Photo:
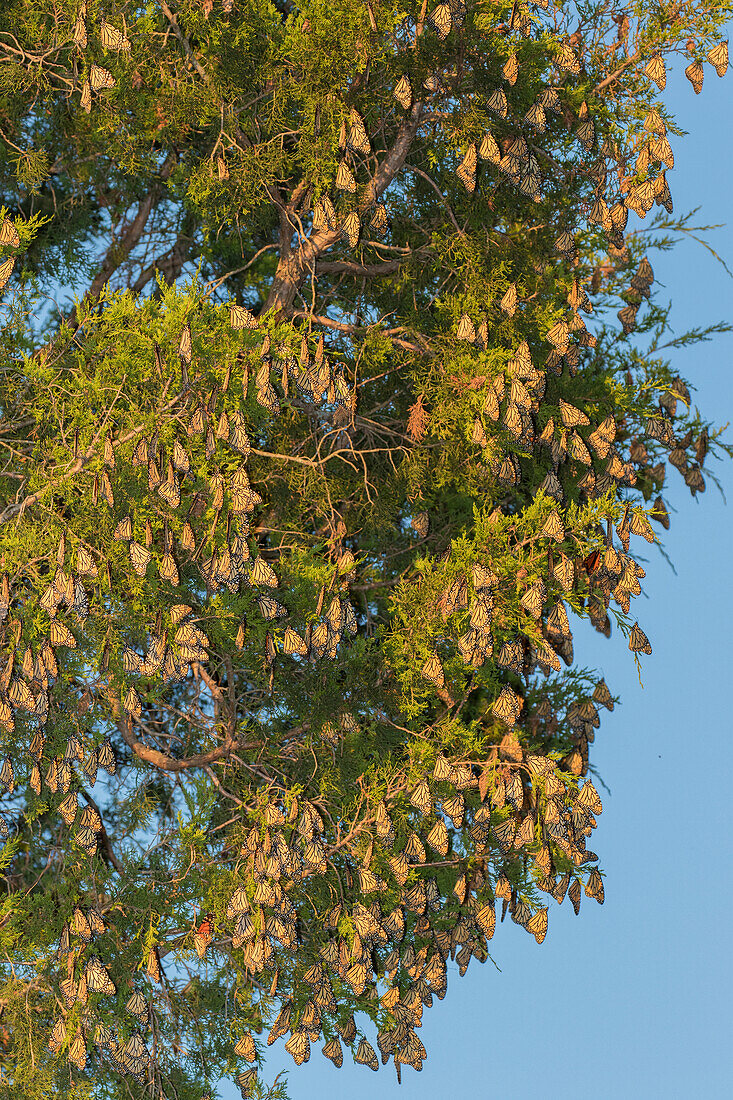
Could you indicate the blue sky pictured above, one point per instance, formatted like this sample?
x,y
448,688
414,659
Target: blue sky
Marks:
x,y
632,998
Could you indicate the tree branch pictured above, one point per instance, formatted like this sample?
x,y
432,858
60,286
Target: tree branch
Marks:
x,y
120,249
369,271
169,264
159,759
293,266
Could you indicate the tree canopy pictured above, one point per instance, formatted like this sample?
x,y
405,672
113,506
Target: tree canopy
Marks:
x,y
333,389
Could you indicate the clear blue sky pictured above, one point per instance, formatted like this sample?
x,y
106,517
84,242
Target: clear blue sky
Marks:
x,y
632,998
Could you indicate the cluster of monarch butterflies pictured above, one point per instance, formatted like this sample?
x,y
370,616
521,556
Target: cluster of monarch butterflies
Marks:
x,y
405,943
85,975
175,642
97,78
520,806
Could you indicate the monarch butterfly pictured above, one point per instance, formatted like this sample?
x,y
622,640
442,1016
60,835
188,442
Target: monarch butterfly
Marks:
x,y
403,92
106,757
414,850
362,919
695,480
240,317
638,641
69,807
511,657
132,703
578,450
718,58
558,335
113,39
504,834
140,557
510,70
420,797
603,436
655,69
508,473
466,170
185,345
489,150
246,1079
557,620
534,598
61,635
433,670
351,228
332,1050
400,868
566,59
481,616
58,1036
574,895
565,244
520,395
506,707
441,22
421,524
268,399
537,118
358,138
152,966
298,1046
572,417
380,221
553,527
344,178
20,695
509,300
641,198
9,235
262,573
170,489
586,133
78,1052
245,1048
537,925
6,270
137,1006
455,808
96,922
497,103
97,977
100,78
365,1055
593,562
466,329
588,798
486,920
438,838
85,100
594,886
695,75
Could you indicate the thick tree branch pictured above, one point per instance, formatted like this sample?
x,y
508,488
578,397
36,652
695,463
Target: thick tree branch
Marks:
x,y
369,271
169,264
121,248
159,759
294,265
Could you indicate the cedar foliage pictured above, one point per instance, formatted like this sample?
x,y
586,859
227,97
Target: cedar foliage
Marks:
x,y
300,497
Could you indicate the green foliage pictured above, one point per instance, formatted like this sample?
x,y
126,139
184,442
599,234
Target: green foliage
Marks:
x,y
301,491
